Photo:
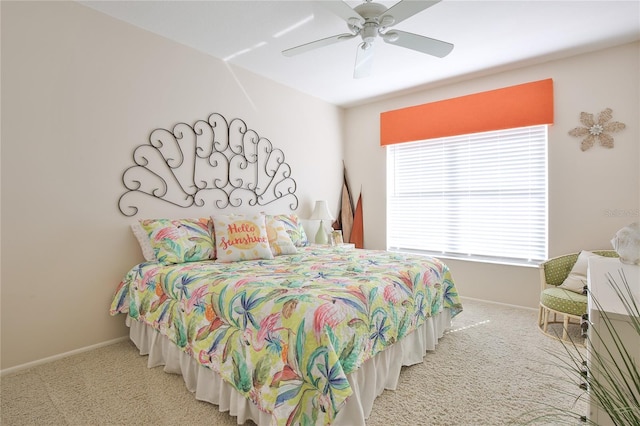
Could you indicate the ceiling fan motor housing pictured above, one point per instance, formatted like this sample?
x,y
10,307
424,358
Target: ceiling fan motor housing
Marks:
x,y
370,12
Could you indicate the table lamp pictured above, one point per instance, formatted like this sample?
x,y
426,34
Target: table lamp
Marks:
x,y
321,212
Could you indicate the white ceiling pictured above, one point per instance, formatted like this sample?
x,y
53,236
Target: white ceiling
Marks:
x,y
488,35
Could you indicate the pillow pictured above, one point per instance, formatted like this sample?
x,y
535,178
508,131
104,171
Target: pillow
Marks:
x,y
241,237
279,240
143,241
577,278
180,240
294,228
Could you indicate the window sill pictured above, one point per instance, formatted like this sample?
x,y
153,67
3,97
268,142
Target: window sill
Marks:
x,y
470,258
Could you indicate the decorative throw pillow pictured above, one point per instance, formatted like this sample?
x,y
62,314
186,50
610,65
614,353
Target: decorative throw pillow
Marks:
x,y
180,240
294,228
143,240
577,278
279,240
241,237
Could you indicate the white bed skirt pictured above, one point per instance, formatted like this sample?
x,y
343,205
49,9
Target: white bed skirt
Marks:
x,y
370,380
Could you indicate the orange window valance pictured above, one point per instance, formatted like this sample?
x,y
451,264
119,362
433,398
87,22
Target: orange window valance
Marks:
x,y
523,105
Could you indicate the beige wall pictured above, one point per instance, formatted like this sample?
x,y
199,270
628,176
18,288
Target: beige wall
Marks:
x,y
592,194
80,91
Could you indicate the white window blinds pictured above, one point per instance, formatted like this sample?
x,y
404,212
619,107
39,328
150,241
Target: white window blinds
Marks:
x,y
481,196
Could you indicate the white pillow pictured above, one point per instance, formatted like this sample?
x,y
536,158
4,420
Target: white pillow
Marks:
x,y
577,278
143,239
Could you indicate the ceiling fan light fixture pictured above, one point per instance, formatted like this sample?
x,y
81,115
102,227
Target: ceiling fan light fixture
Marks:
x,y
369,33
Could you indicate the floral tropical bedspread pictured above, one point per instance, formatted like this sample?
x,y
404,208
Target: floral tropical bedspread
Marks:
x,y
286,332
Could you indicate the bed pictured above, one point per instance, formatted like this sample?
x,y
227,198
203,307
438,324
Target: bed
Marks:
x,y
287,333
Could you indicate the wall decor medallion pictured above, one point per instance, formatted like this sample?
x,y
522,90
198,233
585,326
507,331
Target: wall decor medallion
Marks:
x,y
597,130
212,163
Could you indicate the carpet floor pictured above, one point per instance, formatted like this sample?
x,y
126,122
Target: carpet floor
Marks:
x,y
494,367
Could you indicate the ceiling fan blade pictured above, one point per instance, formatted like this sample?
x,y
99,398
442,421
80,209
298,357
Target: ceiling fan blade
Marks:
x,y
419,43
407,8
316,44
341,9
364,60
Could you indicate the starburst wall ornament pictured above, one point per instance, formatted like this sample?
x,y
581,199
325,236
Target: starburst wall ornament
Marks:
x,y
597,130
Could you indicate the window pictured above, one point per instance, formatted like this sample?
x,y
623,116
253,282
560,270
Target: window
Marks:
x,y
481,196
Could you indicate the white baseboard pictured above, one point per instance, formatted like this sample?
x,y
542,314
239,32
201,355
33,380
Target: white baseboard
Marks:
x,y
60,356
499,303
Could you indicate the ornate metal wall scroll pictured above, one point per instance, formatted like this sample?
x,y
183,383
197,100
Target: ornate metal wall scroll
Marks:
x,y
213,162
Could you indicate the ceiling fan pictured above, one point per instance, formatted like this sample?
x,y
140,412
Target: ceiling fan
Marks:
x,y
370,20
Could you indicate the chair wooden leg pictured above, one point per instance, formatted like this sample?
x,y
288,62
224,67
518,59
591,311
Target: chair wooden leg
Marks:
x,y
539,316
548,316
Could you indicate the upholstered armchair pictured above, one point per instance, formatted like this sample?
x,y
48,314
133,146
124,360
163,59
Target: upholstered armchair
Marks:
x,y
562,299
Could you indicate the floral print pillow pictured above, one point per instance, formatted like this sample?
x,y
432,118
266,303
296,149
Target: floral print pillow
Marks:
x,y
180,240
279,240
241,237
294,228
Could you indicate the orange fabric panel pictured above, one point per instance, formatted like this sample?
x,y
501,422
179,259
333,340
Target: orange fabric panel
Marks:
x,y
523,105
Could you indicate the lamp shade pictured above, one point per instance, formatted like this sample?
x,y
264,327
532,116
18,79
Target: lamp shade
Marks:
x,y
321,211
